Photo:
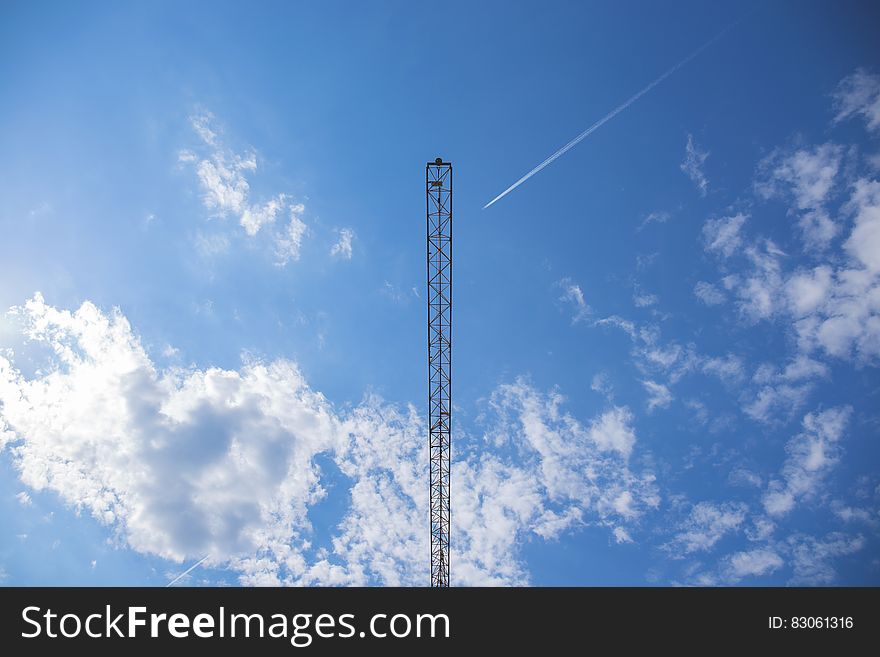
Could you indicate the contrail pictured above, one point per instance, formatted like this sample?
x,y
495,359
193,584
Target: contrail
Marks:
x,y
605,119
187,571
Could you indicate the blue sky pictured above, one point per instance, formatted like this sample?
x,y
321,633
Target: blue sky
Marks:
x,y
666,343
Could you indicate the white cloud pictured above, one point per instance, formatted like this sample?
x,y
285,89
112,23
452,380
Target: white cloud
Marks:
x,y
859,95
855,514
225,188
223,176
644,299
803,367
707,524
612,431
709,294
655,358
728,368
761,530
752,563
744,477
202,124
659,395
723,235
811,454
343,247
839,310
758,291
183,463
777,400
621,535
833,306
807,177
864,242
812,557
256,216
784,392
601,384
817,229
808,290
693,165
572,294
289,243
23,498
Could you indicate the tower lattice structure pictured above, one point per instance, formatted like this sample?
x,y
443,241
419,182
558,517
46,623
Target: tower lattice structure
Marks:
x,y
438,190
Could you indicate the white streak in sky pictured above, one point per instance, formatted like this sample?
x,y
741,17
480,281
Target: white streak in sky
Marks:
x,y
186,572
605,119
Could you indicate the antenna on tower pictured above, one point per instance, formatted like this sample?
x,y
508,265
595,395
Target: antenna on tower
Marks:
x,y
438,190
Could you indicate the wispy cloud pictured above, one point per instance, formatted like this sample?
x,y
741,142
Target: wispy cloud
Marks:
x,y
810,454
806,176
289,242
812,558
573,295
706,525
708,293
343,247
643,299
224,179
656,217
722,236
658,395
859,95
694,159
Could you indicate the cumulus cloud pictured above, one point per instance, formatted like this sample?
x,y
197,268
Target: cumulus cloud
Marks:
x,y
811,454
834,306
694,159
758,290
228,464
343,247
722,236
837,309
864,242
806,177
223,178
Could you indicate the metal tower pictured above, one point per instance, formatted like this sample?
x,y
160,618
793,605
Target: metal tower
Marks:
x,y
438,190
